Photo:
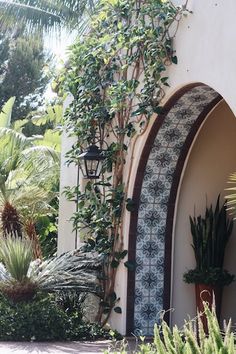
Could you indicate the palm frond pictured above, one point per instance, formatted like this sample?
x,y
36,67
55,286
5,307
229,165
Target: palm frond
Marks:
x,y
46,14
45,153
32,16
11,146
16,255
231,197
5,115
71,270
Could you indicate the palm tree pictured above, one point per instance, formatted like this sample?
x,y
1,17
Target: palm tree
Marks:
x,y
44,14
27,173
21,277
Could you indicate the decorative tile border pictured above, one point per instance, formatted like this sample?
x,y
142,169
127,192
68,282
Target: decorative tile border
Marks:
x,y
153,205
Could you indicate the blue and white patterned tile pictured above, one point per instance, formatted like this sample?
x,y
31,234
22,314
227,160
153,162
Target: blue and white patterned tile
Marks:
x,y
143,257
145,198
160,239
171,165
159,229
141,272
152,164
184,129
156,192
137,326
149,280
151,169
183,115
168,124
148,311
150,249
162,159
154,187
171,136
159,292
143,292
147,182
144,208
165,181
138,294
146,229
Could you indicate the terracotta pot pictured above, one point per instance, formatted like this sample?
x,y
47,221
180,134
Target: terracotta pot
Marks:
x,y
209,294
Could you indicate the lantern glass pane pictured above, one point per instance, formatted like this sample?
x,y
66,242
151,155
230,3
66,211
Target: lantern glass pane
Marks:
x,y
82,166
99,167
92,166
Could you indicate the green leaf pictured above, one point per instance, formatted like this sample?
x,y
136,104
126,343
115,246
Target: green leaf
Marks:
x,y
5,115
174,59
130,205
130,265
114,263
91,242
158,109
121,255
113,297
118,309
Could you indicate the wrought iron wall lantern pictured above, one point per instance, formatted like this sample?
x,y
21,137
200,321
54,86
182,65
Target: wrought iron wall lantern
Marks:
x,y
91,162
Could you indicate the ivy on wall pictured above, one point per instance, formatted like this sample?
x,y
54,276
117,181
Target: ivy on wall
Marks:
x,y
117,75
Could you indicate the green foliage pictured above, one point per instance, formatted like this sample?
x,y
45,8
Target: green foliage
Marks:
x,y
21,278
72,270
42,319
39,320
190,340
22,72
231,198
46,228
99,63
29,176
50,120
16,255
71,302
44,15
116,74
5,115
210,276
210,236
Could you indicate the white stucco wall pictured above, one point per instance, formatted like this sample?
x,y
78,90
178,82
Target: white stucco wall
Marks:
x,y
206,53
210,162
204,48
69,176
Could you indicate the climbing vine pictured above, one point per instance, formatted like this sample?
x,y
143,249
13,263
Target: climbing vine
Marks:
x,y
117,76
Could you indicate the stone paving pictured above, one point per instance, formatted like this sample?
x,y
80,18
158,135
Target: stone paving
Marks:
x,y
53,348
59,347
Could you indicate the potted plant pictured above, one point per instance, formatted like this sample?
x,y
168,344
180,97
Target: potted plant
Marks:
x,y
210,235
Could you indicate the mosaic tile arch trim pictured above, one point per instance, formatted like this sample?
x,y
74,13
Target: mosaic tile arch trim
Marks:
x,y
153,208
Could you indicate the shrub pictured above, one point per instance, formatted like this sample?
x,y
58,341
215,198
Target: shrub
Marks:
x,y
38,320
42,319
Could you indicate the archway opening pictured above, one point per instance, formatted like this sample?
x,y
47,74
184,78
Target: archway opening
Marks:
x,y
158,181
210,162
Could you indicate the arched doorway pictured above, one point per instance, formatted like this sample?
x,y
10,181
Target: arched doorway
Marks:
x,y
155,192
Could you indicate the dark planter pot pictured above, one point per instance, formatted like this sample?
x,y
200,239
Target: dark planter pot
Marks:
x,y
209,294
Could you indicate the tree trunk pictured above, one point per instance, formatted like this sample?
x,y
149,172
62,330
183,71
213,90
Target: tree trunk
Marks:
x,y
31,233
11,224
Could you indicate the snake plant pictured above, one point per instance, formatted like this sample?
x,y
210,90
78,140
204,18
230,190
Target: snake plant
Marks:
x,y
210,235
